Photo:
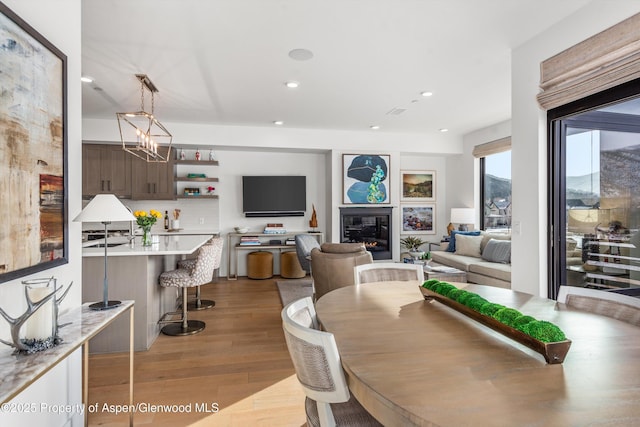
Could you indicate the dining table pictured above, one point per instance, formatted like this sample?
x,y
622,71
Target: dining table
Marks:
x,y
411,361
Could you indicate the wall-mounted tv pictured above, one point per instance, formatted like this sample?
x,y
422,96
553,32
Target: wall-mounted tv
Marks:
x,y
274,195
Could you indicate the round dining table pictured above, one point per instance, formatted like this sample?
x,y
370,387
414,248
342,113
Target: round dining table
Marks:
x,y
409,361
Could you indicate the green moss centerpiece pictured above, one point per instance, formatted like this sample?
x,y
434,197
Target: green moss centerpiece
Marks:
x,y
539,335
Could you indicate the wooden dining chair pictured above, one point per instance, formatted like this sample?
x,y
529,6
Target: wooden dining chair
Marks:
x,y
387,271
317,363
605,303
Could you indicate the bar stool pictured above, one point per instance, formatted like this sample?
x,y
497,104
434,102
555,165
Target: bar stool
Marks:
x,y
188,264
183,278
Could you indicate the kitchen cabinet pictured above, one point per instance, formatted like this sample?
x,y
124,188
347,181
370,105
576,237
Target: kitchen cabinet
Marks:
x,y
151,180
105,169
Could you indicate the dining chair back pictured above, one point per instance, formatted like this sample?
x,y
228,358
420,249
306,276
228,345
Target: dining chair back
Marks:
x,y
387,271
605,303
317,364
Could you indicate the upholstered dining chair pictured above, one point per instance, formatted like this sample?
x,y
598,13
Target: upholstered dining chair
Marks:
x,y
605,303
189,264
186,278
317,363
332,265
387,271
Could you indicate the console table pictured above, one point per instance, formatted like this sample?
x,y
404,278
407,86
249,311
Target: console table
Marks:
x,y
19,371
233,243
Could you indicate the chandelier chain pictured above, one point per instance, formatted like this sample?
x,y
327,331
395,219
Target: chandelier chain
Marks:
x,y
141,96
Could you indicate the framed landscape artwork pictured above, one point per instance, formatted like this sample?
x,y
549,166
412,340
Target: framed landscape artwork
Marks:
x,y
418,186
419,218
33,144
365,178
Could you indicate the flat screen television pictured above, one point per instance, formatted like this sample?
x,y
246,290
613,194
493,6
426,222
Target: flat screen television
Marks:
x,y
274,195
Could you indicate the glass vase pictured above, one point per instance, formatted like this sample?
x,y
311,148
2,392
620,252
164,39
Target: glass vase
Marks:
x,y
146,235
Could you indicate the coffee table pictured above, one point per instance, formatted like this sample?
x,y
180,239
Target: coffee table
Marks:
x,y
449,274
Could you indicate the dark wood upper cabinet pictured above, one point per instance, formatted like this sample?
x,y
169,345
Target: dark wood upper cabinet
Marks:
x,y
105,169
151,181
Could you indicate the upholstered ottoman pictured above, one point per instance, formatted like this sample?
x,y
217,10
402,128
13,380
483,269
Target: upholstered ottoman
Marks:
x,y
290,266
260,265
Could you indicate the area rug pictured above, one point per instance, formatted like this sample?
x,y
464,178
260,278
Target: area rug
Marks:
x,y
294,289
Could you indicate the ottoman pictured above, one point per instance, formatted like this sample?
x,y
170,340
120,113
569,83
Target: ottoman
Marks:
x,y
260,265
290,266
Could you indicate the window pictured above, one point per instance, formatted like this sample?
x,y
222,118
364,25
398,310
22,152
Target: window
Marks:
x,y
595,197
495,184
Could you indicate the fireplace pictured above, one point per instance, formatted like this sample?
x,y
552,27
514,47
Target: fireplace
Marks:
x,y
371,226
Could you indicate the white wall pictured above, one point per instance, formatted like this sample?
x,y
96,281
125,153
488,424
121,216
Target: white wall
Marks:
x,y
235,164
529,138
314,153
59,22
463,171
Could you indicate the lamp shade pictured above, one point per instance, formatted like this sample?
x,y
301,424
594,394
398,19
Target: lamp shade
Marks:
x,y
105,208
463,215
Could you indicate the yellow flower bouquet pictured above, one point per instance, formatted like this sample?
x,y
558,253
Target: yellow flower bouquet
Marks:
x,y
145,221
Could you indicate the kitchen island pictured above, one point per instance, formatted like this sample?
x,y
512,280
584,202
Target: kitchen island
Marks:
x,y
133,272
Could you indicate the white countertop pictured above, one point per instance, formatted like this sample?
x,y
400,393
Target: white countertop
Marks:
x,y
169,244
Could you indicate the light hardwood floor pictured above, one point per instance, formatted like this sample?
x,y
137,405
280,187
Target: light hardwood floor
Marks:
x,y
239,363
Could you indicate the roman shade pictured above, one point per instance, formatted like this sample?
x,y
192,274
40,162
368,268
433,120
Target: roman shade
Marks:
x,y
600,62
492,147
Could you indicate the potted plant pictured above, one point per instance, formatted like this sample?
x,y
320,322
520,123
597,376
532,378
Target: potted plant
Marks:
x,y
412,244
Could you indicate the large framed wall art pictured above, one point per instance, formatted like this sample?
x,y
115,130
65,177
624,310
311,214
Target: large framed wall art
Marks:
x,y
33,150
419,218
365,178
418,186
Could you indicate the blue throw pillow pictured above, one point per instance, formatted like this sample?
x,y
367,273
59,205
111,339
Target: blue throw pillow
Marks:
x,y
452,240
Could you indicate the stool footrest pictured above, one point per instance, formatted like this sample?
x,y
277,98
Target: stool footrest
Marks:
x,y
166,317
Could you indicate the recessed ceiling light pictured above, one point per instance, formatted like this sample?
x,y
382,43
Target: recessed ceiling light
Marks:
x,y
426,93
278,122
86,79
292,84
374,127
444,130
300,54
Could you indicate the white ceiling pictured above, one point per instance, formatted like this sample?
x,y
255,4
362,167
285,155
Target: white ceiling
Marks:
x,y
225,62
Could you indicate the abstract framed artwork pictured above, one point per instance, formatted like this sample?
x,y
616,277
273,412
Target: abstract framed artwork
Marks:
x,y
418,186
419,218
365,179
33,151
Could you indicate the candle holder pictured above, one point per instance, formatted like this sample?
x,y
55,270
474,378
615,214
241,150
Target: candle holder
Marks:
x,y
40,320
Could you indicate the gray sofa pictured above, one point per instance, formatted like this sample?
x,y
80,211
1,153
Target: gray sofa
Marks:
x,y
479,270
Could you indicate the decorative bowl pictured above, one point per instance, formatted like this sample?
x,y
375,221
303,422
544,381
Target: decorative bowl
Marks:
x,y
241,229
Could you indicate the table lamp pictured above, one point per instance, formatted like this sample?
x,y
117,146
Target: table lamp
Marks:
x,y
462,217
105,208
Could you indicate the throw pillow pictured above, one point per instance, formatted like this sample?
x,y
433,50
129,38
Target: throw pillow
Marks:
x,y
452,239
498,251
498,236
468,245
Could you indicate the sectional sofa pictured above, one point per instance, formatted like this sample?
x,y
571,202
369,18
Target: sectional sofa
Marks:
x,y
485,257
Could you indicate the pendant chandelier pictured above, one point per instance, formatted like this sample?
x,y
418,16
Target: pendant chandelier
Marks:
x,y
141,133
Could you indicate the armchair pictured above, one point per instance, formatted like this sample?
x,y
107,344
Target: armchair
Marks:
x,y
332,265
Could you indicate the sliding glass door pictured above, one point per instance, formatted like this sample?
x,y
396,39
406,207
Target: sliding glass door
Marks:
x,y
595,193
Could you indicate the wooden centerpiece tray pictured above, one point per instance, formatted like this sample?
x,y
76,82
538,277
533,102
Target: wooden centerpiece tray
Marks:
x,y
553,352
